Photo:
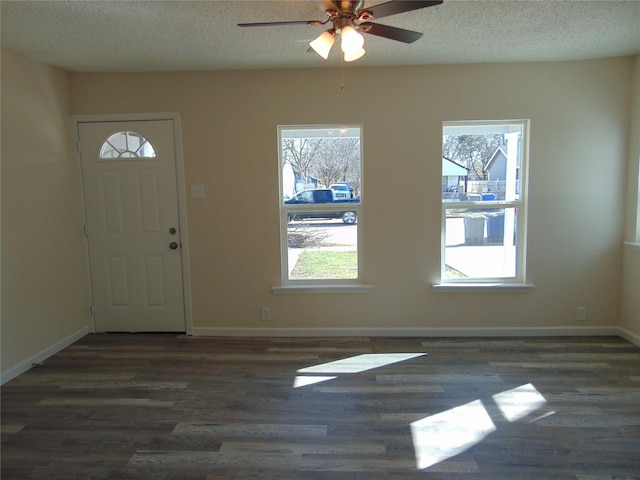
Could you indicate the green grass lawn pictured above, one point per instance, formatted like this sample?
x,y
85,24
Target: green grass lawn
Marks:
x,y
326,264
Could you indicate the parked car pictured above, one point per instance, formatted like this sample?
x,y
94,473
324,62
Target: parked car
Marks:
x,y
322,196
342,190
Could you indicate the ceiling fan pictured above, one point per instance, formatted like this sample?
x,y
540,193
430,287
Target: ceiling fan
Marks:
x,y
350,17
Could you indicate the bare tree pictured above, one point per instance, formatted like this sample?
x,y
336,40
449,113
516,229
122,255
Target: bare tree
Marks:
x,y
302,154
339,162
330,160
472,151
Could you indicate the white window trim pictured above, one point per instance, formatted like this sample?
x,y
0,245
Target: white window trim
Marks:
x,y
634,246
453,287
304,289
517,283
291,286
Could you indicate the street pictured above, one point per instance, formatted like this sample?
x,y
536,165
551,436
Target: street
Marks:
x,y
335,232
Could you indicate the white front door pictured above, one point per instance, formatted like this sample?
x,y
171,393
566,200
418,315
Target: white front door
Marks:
x,y
133,225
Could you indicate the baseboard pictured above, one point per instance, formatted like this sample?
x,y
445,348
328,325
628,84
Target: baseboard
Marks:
x,y
347,332
630,336
409,332
41,356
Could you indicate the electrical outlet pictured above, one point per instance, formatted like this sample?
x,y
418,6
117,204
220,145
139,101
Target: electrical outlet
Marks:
x,y
581,314
265,313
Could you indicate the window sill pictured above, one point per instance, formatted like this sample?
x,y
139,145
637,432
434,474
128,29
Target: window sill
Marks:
x,y
304,289
483,287
635,246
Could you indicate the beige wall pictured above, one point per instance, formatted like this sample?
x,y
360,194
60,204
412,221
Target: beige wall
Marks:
x,y
44,294
631,261
580,154
579,115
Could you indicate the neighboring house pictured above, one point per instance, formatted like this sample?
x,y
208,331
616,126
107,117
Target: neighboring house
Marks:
x,y
288,181
497,165
292,182
453,174
497,170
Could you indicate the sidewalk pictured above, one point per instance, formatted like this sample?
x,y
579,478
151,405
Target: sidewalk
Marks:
x,y
482,260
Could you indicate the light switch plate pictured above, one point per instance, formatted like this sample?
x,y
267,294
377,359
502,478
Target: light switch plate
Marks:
x,y
197,191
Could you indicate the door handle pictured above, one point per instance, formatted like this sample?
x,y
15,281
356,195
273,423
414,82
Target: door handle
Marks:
x,y
173,245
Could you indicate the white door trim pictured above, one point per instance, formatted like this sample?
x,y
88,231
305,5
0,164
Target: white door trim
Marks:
x,y
181,187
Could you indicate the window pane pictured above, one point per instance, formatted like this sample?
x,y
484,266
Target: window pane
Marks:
x,y
321,185
326,158
480,243
322,249
482,181
126,145
482,162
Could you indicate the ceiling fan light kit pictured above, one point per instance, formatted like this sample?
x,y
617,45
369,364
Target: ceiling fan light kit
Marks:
x,y
354,55
352,41
322,45
349,18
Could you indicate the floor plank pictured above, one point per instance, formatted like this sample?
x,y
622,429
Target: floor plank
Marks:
x,y
166,406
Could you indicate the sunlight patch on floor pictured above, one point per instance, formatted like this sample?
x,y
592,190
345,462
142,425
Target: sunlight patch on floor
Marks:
x,y
517,403
360,363
356,364
301,381
444,435
441,436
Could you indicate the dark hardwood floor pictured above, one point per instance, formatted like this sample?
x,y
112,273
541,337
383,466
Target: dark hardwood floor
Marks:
x,y
166,406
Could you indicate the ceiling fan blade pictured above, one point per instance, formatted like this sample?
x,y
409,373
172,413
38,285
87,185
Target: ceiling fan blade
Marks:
x,y
291,22
399,6
393,33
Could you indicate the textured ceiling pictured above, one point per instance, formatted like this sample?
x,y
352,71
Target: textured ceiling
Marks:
x,y
159,35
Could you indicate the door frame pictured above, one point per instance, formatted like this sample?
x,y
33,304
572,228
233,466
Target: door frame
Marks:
x,y
182,199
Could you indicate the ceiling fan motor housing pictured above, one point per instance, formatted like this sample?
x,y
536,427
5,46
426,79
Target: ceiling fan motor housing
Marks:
x,y
350,12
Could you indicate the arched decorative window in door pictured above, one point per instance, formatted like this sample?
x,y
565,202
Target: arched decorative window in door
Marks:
x,y
126,144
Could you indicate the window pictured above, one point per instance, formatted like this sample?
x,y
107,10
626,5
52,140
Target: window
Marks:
x,y
320,204
484,202
126,145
